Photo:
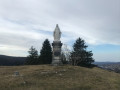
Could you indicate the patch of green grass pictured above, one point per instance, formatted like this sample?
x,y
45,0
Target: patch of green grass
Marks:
x,y
46,77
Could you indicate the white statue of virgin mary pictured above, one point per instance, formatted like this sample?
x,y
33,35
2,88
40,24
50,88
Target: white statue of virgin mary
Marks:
x,y
57,33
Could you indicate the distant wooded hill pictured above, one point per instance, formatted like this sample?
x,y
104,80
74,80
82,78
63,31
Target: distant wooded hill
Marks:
x,y
105,63
11,61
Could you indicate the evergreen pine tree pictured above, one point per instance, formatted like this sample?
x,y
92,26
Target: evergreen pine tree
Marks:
x,y
32,57
80,56
46,53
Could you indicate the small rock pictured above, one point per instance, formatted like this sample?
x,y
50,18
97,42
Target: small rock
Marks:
x,y
60,74
64,70
16,73
24,82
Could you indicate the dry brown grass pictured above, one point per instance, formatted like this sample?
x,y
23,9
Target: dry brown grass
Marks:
x,y
46,77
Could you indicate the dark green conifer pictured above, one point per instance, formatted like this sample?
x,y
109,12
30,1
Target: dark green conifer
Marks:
x,y
80,56
32,57
46,53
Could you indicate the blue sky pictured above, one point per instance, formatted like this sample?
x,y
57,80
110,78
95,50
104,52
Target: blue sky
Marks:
x,y
106,52
26,23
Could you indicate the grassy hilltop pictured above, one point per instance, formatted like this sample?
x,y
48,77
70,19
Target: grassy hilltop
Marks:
x,y
46,77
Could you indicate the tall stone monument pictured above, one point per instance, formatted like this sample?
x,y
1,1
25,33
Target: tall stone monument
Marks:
x,y
56,59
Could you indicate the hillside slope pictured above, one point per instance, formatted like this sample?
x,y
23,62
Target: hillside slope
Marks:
x,y
46,77
11,61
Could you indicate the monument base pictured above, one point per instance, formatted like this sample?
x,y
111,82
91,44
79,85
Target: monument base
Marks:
x,y
57,63
56,53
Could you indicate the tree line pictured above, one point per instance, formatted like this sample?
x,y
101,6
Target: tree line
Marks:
x,y
45,56
79,56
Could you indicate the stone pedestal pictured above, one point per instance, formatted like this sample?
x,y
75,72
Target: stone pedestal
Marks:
x,y
56,59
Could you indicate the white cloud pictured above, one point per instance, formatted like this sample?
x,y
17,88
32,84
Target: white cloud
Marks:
x,y
94,21
13,50
28,22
